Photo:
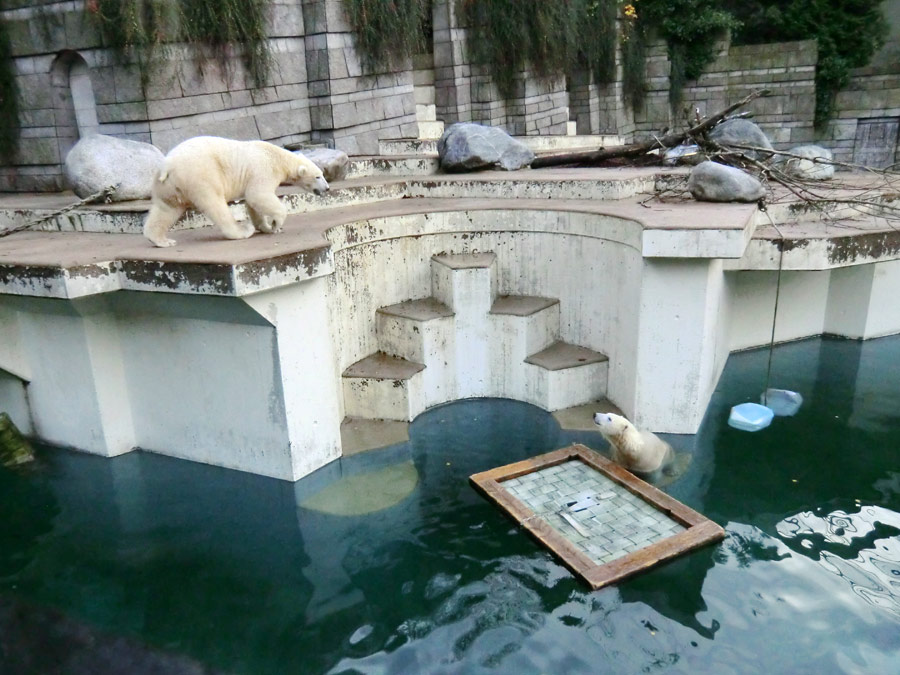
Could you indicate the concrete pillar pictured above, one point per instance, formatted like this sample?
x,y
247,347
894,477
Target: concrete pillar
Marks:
x,y
853,295
681,345
78,393
307,370
318,71
452,92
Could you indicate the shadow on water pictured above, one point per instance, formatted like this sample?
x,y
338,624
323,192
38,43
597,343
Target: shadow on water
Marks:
x,y
251,575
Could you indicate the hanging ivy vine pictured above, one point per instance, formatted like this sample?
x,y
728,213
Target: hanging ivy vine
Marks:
x,y
137,28
388,32
9,95
690,29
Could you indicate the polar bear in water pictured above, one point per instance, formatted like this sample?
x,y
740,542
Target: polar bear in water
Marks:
x,y
638,451
207,172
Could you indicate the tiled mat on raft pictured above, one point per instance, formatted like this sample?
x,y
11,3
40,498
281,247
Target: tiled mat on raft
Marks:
x,y
603,522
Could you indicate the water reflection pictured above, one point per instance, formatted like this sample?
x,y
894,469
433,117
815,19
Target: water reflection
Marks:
x,y
861,547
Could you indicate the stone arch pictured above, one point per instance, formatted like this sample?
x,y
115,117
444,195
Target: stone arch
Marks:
x,y
75,108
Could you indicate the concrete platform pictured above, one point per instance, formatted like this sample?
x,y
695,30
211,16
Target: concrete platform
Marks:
x,y
131,339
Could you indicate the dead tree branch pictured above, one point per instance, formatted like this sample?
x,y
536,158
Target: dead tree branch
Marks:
x,y
637,149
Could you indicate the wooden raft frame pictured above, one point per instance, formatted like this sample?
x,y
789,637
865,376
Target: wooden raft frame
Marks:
x,y
699,530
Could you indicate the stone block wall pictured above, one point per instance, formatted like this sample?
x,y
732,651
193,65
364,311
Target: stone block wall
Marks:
x,y
787,69
873,95
316,91
352,109
467,93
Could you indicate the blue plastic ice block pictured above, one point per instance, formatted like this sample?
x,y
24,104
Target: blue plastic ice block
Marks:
x,y
783,402
750,417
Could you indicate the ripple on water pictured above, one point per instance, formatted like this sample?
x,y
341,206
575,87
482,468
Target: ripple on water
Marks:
x,y
859,547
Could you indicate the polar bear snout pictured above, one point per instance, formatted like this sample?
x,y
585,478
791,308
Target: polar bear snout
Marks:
x,y
321,186
602,419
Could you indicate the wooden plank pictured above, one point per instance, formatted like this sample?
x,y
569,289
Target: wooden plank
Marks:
x,y
699,531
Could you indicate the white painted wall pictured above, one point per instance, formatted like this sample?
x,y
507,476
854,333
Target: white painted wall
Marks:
x,y
204,381
73,401
884,301
802,305
677,362
308,371
591,265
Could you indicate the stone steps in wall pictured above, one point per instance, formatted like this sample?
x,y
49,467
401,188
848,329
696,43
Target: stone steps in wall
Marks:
x,y
420,331
565,375
408,146
384,387
539,144
467,340
411,165
431,130
426,112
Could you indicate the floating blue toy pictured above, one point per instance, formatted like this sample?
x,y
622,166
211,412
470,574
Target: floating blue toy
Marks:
x,y
782,402
750,417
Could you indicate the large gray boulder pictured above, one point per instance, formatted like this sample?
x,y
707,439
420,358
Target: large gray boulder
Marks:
x,y
712,182
98,161
470,147
741,132
807,168
333,163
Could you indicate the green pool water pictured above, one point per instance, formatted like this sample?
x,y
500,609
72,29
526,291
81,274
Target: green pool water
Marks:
x,y
241,573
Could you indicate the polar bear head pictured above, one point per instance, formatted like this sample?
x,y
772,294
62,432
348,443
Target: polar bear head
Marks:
x,y
611,424
307,175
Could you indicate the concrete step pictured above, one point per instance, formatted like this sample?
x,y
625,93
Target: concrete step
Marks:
x,y
520,325
361,167
421,331
430,130
426,112
424,95
531,320
540,144
565,375
408,146
383,387
465,282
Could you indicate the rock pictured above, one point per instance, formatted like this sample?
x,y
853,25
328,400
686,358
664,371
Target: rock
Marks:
x,y
333,163
806,168
712,182
684,154
14,449
98,161
470,147
741,132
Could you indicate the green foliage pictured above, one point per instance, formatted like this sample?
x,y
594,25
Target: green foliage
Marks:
x,y
849,32
690,28
507,35
634,62
388,32
138,27
9,96
595,38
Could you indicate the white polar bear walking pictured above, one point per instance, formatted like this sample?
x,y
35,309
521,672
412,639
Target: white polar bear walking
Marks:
x,y
207,172
638,451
